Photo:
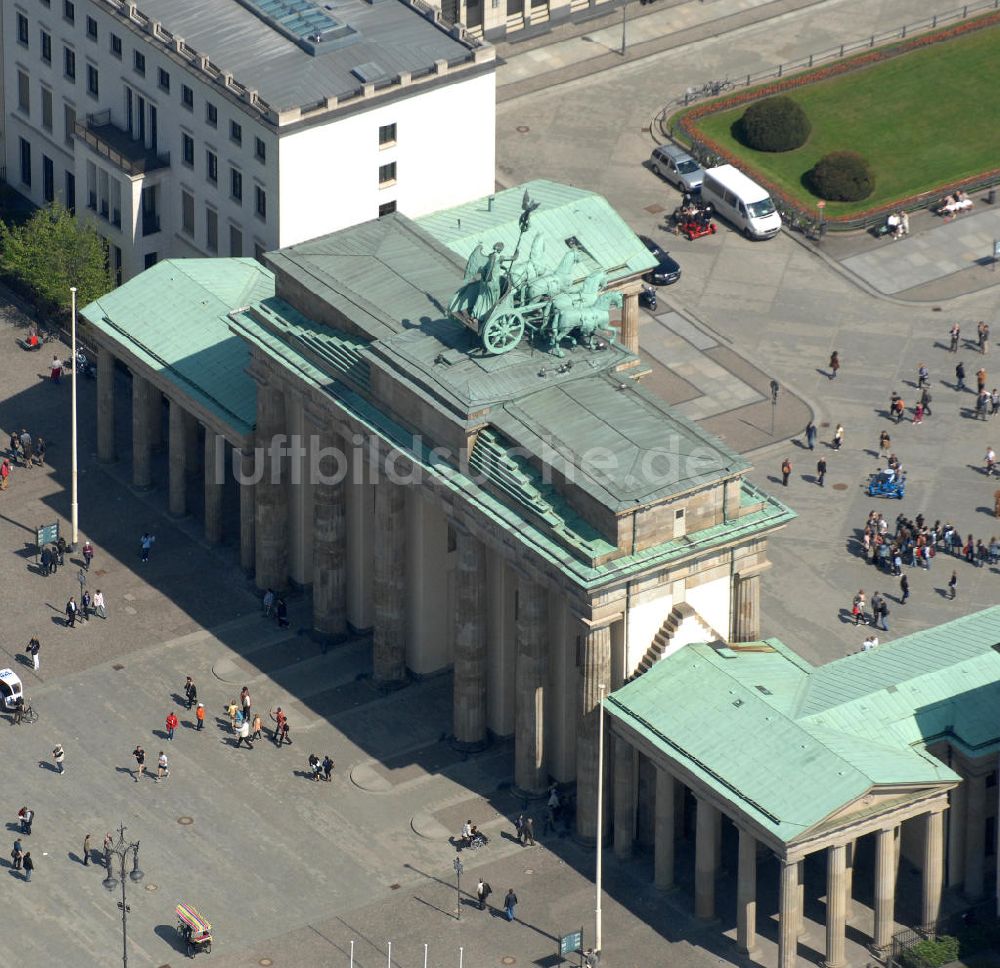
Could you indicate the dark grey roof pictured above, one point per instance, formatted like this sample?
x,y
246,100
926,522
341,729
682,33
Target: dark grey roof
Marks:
x,y
386,38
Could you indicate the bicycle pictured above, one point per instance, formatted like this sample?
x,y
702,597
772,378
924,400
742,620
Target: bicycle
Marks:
x,y
26,714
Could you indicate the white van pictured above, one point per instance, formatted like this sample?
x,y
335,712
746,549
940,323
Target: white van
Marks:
x,y
741,201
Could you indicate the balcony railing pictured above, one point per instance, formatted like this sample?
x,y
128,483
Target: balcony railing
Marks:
x,y
117,145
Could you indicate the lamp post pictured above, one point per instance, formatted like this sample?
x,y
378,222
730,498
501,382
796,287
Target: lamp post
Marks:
x,y
121,850
774,402
821,230
458,888
624,8
600,814
74,506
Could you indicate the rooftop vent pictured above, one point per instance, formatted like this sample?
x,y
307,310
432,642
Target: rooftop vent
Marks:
x,y
764,690
368,72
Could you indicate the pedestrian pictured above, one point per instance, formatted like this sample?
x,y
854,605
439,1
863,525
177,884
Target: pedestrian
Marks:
x,y
529,831
256,728
952,585
510,904
925,399
28,864
245,702
838,437
14,448
980,379
190,692
55,369
162,767
26,448
960,376
86,851
483,891
918,413
26,816
904,587
140,762
200,715
820,471
282,612
954,333
811,435
4,474
315,767
88,554
884,442
231,711
34,647
171,725
46,561
17,854
922,376
858,608
40,451
283,733
990,460
71,610
145,545
883,615
61,548
786,471
328,766
244,735
994,401
834,364
85,602
519,827
98,603
277,717
268,602
59,755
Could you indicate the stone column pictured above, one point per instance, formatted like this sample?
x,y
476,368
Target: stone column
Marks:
x,y
975,835
836,906
933,867
247,487
707,821
625,803
664,830
177,462
530,672
389,581
105,405
142,467
594,672
469,691
746,608
271,496
155,418
746,894
192,452
885,887
852,848
329,565
630,322
789,915
215,471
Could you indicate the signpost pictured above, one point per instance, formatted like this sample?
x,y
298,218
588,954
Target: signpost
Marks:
x,y
46,534
571,943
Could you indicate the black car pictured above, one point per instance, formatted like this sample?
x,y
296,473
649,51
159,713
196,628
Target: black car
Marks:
x,y
667,271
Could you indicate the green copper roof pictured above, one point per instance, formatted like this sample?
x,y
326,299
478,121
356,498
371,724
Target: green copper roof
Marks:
x,y
788,744
566,218
173,317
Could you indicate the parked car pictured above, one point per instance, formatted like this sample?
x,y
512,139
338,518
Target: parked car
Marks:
x,y
667,271
10,688
676,166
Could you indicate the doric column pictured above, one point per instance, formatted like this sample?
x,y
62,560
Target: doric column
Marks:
x,y
933,867
885,886
975,835
625,802
836,905
177,462
746,894
105,405
707,820
630,322
469,691
664,830
389,581
594,672
851,853
247,488
155,418
746,608
329,568
215,470
142,467
789,914
192,452
530,670
271,497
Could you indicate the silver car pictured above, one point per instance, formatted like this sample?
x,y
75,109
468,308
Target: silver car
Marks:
x,y
676,166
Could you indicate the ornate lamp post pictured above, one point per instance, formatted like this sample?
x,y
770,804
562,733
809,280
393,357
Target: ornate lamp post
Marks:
x,y
121,850
458,887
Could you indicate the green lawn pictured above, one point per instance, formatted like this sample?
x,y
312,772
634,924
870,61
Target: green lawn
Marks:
x,y
922,119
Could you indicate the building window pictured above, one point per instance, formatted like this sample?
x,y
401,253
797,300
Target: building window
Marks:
x,y
116,46
71,191
69,64
235,242
236,185
387,209
69,11
258,251
387,135
149,261
139,63
92,85
235,133
187,97
25,162
48,179
387,174
69,121
211,230
46,109
211,115
46,48
164,80
22,30
260,202
92,28
260,150
212,167
187,213
188,143
23,93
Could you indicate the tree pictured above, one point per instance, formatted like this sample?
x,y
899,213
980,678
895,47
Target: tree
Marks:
x,y
53,251
774,124
841,176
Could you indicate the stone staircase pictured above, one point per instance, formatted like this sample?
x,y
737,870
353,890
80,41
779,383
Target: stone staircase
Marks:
x,y
683,626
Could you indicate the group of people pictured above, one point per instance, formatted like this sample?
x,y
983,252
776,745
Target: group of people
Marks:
x,y
898,224
951,205
275,606
23,452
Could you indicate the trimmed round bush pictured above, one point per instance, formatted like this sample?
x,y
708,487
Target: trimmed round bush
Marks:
x,y
774,124
842,176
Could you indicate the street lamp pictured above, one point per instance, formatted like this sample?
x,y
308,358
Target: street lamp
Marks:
x,y
458,887
624,8
121,850
74,506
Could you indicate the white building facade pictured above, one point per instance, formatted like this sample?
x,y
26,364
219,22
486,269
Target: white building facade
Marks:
x,y
224,129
